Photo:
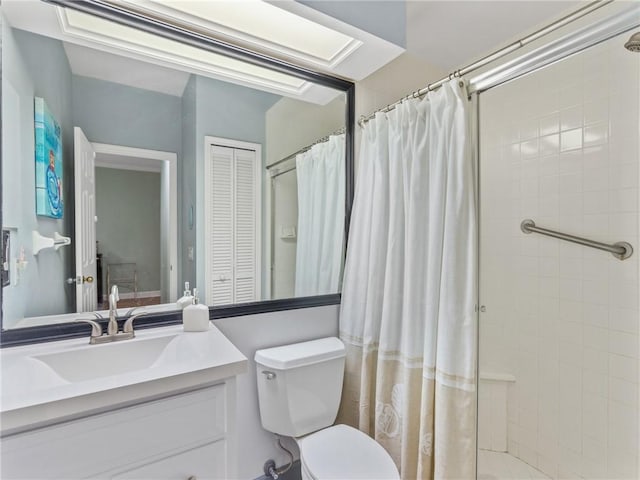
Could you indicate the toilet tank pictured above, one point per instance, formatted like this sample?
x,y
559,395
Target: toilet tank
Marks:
x,y
300,385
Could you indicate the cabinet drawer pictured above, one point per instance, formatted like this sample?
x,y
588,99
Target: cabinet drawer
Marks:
x,y
100,443
206,462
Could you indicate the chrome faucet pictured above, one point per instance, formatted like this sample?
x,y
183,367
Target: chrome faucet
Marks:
x,y
112,335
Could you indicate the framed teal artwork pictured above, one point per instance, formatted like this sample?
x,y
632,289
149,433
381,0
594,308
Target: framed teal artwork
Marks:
x,y
48,142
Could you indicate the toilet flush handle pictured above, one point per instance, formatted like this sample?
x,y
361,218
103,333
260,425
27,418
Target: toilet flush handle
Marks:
x,y
269,375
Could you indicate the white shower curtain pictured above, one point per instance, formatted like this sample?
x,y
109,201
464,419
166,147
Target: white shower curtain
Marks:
x,y
321,189
409,294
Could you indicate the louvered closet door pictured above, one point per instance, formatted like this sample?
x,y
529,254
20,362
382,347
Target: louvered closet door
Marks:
x,y
233,220
245,226
220,288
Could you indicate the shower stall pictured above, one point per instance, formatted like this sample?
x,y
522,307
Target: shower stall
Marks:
x,y
559,320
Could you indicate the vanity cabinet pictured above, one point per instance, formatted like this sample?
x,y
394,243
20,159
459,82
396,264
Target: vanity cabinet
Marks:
x,y
195,464
188,435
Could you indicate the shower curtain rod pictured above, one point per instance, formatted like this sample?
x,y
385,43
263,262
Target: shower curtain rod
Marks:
x,y
581,12
277,173
308,147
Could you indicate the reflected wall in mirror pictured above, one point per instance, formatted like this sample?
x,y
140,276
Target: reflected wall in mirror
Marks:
x,y
175,168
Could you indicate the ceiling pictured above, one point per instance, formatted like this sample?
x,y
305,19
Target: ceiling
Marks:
x,y
451,34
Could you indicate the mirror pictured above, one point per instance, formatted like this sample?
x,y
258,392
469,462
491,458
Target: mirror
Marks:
x,y
157,163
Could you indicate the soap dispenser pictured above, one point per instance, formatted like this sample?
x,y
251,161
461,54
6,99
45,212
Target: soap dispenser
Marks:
x,y
195,317
186,299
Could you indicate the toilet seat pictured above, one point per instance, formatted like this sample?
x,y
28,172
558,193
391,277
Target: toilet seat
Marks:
x,y
342,452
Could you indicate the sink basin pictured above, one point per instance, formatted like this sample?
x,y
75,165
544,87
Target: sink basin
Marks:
x,y
46,382
97,361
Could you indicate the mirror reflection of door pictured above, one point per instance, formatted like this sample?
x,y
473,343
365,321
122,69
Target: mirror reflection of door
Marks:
x,y
136,225
128,235
122,225
85,203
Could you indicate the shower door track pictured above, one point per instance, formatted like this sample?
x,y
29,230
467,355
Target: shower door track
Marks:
x,y
620,250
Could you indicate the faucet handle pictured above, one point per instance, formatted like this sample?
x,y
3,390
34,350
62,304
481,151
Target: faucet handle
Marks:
x,y
114,292
128,324
96,329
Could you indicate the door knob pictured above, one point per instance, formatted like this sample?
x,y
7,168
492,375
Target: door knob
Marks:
x,y
88,279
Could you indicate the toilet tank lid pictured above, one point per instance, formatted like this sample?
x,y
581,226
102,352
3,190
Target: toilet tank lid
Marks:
x,y
300,354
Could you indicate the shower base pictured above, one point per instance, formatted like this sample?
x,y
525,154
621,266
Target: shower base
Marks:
x,y
502,466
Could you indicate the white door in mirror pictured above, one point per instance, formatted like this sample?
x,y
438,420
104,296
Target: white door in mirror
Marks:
x,y
85,203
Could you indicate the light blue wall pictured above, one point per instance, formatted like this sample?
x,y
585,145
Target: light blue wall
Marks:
x,y
385,18
118,114
188,185
107,112
228,111
35,66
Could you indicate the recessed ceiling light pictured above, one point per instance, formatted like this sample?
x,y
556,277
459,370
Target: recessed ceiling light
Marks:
x,y
121,37
260,25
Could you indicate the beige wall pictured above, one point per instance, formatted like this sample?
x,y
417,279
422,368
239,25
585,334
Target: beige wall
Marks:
x,y
292,124
399,78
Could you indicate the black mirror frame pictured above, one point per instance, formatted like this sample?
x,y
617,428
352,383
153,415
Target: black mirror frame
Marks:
x,y
181,33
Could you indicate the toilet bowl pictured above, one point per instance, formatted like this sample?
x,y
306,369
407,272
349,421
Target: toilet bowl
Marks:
x,y
299,390
342,452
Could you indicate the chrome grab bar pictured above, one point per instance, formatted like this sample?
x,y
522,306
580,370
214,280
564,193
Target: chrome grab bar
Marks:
x,y
620,250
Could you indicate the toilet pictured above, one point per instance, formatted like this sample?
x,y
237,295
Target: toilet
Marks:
x,y
299,390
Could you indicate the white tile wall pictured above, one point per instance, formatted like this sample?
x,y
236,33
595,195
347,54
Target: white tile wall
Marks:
x,y
561,146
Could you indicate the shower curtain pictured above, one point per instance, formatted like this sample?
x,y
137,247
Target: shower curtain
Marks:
x,y
409,294
321,190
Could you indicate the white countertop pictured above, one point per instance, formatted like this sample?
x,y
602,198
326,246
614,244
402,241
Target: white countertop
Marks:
x,y
33,394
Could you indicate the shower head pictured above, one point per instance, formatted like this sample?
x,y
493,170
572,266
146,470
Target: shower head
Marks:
x,y
633,44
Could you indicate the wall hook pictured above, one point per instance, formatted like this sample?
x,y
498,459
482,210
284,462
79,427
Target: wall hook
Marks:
x,y
40,242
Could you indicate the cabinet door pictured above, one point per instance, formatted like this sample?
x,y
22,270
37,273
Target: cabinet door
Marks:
x,y
206,462
116,440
